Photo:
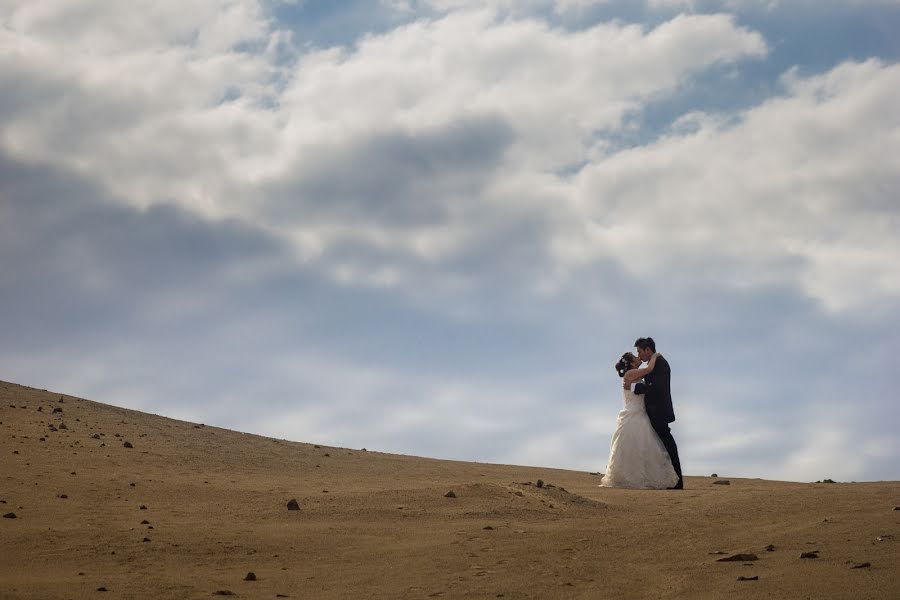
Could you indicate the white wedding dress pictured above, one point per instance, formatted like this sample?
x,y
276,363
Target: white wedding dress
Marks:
x,y
637,457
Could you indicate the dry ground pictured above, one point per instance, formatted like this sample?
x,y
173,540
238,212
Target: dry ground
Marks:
x,y
374,525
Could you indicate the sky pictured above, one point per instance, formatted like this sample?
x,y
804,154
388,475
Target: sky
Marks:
x,y
431,227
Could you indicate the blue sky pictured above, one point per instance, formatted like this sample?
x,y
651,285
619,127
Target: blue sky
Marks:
x,y
431,227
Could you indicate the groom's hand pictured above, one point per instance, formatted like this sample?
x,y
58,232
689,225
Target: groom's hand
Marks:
x,y
626,386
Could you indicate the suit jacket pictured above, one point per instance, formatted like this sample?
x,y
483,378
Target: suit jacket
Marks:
x,y
657,392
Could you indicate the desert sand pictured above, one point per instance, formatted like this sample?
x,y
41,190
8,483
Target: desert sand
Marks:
x,y
189,510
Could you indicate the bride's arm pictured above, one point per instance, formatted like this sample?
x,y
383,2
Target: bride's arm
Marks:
x,y
635,374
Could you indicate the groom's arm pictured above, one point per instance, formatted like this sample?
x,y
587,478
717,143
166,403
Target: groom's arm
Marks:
x,y
640,387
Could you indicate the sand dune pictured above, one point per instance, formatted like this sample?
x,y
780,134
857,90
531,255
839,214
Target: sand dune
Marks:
x,y
189,510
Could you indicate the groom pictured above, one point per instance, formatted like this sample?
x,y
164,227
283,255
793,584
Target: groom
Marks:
x,y
658,400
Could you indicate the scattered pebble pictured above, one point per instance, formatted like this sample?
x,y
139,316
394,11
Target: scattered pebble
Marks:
x,y
488,528
770,548
10,516
143,507
714,475
128,445
739,558
95,436
540,483
58,409
102,589
146,539
753,578
864,565
293,505
145,522
813,554
450,494
251,576
722,482
223,593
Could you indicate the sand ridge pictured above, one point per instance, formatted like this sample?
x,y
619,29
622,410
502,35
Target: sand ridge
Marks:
x,y
189,510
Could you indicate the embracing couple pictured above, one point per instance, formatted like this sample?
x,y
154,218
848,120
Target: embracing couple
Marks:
x,y
643,454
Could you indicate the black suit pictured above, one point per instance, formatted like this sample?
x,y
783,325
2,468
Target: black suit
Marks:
x,y
657,392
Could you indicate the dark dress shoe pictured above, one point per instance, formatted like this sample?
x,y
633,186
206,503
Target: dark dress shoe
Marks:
x,y
678,486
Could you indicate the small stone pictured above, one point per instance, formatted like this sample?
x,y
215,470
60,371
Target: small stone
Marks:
x,y
9,515
145,522
770,548
450,494
63,426
864,565
128,445
58,409
722,482
143,507
95,436
897,508
102,589
63,496
146,539
326,454
488,528
131,484
40,409
753,578
223,593
519,493
293,505
61,400
317,446
714,475
540,483
251,576
813,554
739,558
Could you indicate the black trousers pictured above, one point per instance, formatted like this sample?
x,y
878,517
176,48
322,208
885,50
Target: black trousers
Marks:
x,y
661,427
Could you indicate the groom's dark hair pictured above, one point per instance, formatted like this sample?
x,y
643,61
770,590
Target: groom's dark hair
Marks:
x,y
646,342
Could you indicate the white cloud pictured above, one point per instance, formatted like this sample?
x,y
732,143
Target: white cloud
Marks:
x,y
178,113
797,190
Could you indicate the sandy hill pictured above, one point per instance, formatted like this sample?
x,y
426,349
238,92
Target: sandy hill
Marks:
x,y
187,511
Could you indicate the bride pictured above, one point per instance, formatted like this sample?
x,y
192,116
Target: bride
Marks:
x,y
637,457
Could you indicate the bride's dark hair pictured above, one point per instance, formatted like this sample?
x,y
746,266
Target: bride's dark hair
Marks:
x,y
624,364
